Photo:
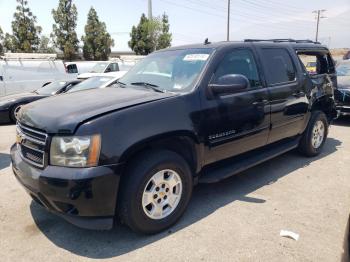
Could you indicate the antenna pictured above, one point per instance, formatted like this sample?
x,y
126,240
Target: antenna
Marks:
x,y
206,41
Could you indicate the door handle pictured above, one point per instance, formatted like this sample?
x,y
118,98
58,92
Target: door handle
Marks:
x,y
299,94
260,102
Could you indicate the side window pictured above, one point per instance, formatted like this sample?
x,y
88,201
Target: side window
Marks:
x,y
240,61
112,68
279,66
72,69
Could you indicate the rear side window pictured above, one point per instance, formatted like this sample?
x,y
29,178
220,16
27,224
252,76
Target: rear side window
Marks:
x,y
72,69
278,65
240,61
113,68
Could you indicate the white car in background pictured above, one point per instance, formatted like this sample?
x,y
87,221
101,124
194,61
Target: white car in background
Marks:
x,y
24,72
107,67
101,80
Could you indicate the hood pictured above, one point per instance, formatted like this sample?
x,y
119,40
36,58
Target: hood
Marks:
x,y
63,113
343,82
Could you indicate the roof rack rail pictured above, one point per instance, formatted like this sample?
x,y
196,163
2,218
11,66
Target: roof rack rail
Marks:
x,y
282,40
28,56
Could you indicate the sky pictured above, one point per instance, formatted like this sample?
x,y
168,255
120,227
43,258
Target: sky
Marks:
x,y
191,21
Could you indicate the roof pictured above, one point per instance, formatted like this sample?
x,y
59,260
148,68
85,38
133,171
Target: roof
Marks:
x,y
296,44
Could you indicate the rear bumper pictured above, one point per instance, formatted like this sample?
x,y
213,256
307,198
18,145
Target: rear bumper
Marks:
x,y
85,197
344,110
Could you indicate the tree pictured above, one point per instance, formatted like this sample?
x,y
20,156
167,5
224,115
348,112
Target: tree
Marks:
x,y
25,34
1,41
97,41
64,35
9,45
150,34
165,37
45,45
140,41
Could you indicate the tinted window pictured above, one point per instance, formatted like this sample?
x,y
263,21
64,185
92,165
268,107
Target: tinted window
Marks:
x,y
279,66
91,83
51,88
72,69
112,68
239,62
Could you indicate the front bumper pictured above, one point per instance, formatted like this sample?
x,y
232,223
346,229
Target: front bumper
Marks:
x,y
85,197
344,110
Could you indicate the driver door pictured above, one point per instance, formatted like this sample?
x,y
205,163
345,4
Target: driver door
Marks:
x,y
237,122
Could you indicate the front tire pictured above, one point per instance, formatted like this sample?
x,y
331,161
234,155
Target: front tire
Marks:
x,y
155,191
315,135
14,112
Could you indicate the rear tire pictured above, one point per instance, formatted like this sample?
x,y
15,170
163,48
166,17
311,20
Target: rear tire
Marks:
x,y
315,135
155,191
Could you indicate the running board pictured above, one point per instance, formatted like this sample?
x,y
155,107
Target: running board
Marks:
x,y
216,172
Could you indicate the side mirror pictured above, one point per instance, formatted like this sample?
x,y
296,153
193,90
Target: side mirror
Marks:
x,y
108,70
229,84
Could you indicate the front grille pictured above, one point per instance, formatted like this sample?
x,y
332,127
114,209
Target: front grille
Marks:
x,y
32,145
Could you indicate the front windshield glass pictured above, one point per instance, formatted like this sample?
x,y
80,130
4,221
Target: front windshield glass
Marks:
x,y
172,71
91,83
51,88
99,68
343,69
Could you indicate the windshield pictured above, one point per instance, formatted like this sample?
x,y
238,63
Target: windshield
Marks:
x,y
343,69
99,68
172,71
51,88
91,83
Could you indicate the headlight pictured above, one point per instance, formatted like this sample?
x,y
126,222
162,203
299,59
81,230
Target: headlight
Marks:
x,y
75,151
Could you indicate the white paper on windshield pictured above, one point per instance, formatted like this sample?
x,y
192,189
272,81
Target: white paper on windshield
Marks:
x,y
196,57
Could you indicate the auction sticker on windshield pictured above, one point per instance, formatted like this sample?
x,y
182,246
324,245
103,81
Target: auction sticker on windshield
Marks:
x,y
196,57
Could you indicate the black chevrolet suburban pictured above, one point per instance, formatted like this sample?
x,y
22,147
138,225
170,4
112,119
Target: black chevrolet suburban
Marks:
x,y
182,116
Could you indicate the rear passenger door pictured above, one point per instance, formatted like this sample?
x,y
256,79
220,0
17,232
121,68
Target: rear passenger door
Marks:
x,y
287,96
238,122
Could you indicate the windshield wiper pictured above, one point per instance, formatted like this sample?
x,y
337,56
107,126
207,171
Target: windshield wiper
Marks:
x,y
121,83
148,85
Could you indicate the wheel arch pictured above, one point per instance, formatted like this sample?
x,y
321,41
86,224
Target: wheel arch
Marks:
x,y
325,104
183,143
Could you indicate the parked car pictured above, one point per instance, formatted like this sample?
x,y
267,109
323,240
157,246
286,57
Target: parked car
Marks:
x,y
342,93
98,81
107,67
10,105
198,113
26,72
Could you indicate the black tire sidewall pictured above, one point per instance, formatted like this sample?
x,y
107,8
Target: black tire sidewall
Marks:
x,y
137,219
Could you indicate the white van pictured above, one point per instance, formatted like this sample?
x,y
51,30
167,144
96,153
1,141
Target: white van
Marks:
x,y
25,72
79,67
